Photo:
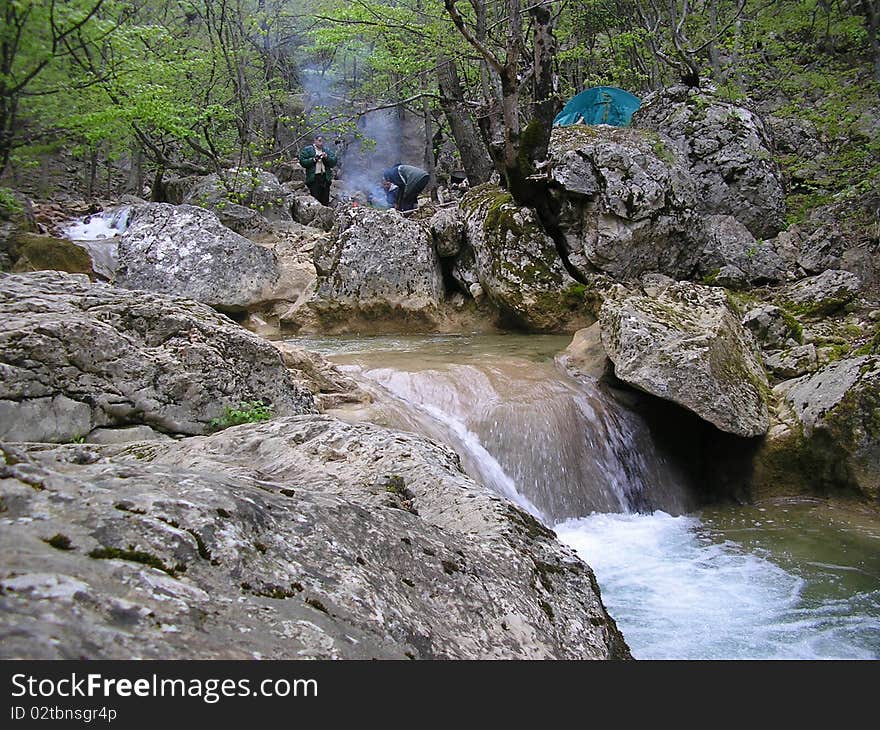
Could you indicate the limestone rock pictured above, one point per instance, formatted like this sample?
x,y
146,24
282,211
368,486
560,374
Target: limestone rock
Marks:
x,y
625,203
688,347
239,188
728,150
827,436
448,230
298,538
310,212
518,266
730,244
378,264
75,356
824,294
328,384
772,327
794,362
185,251
585,354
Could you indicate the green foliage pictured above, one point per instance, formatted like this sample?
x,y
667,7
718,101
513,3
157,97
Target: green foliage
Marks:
x,y
9,205
250,412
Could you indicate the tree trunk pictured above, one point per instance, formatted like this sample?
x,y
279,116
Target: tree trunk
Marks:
x,y
428,156
474,156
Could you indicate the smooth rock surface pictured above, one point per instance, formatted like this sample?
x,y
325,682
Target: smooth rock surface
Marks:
x,y
301,537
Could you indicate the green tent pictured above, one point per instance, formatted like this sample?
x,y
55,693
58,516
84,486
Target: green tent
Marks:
x,y
599,105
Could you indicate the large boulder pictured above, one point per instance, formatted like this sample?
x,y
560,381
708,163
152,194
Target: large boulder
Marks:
x,y
185,251
308,211
517,264
626,203
688,347
728,150
378,265
77,356
826,435
298,538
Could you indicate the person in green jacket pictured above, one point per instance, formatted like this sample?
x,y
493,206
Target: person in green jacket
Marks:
x,y
318,163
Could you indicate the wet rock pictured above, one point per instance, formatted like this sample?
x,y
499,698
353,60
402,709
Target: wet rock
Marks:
x,y
728,150
517,264
687,346
76,356
35,252
328,384
625,203
585,354
377,264
185,251
299,538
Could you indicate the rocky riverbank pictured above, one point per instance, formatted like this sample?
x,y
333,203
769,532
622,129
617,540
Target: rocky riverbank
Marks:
x,y
750,345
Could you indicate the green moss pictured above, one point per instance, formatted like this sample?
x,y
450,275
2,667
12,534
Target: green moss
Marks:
x,y
59,542
395,484
133,556
817,308
528,524
709,279
317,605
794,327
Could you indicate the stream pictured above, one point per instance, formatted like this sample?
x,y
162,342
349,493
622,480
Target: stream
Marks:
x,y
787,579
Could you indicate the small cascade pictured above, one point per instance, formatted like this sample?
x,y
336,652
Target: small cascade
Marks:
x,y
99,226
559,448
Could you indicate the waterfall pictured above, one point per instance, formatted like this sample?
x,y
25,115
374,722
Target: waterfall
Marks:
x,y
795,579
558,447
99,226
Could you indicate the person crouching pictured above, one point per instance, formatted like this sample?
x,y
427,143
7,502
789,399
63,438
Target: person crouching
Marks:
x,y
409,181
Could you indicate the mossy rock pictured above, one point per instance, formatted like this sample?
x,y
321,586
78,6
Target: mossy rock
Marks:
x,y
33,252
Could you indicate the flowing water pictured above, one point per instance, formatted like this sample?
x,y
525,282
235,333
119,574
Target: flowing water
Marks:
x,y
791,579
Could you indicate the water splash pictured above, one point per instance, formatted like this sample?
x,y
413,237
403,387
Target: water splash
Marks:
x,y
99,226
681,590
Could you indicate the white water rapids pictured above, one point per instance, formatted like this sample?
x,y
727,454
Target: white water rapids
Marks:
x,y
789,580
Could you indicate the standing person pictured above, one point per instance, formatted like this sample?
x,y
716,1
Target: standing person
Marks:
x,y
318,163
409,180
